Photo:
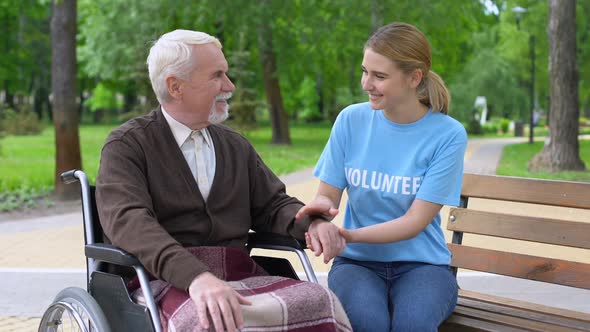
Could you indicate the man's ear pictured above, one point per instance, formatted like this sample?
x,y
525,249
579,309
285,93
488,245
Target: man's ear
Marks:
x,y
416,78
174,86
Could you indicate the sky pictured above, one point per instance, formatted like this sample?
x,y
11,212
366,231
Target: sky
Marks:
x,y
491,7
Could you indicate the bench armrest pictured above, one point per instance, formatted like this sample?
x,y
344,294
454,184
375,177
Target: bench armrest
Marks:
x,y
109,253
271,241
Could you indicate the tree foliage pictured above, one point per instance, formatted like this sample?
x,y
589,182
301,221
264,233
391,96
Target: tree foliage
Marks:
x,y
318,47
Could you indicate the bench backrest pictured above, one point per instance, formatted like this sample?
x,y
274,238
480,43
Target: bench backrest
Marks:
x,y
521,227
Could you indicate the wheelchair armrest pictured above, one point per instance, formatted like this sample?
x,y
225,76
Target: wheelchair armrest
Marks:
x,y
271,240
109,253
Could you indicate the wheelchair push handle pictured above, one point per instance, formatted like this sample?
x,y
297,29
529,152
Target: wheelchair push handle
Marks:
x,y
70,176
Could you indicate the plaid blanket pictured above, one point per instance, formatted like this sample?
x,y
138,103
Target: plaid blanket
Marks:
x,y
278,304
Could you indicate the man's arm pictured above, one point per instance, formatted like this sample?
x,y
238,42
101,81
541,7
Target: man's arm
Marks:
x,y
275,211
129,221
272,210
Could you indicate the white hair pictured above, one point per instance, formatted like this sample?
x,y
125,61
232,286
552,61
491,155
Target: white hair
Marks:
x,y
172,55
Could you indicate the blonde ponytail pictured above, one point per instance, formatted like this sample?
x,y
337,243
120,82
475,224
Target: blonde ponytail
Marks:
x,y
434,93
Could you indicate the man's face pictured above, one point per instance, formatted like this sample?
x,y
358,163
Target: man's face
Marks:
x,y
206,92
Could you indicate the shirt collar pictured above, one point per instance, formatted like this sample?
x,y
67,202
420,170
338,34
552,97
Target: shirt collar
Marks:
x,y
181,132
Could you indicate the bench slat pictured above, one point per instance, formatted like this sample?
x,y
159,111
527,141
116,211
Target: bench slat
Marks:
x,y
549,192
529,306
550,270
467,324
524,314
528,325
543,230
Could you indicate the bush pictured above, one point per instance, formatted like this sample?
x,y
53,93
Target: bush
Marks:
x,y
308,98
490,128
584,121
103,98
24,197
474,127
24,122
504,125
242,110
243,115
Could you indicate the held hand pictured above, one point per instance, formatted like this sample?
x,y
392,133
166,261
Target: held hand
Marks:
x,y
321,207
345,233
323,237
215,296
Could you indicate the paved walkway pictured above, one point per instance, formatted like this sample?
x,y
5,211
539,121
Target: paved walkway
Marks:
x,y
40,256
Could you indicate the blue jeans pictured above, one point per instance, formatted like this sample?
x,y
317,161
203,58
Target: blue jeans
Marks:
x,y
398,296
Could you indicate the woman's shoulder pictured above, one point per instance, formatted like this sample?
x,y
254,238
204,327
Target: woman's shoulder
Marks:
x,y
356,108
447,124
355,112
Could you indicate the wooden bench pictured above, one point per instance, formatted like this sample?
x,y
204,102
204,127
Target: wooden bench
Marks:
x,y
483,312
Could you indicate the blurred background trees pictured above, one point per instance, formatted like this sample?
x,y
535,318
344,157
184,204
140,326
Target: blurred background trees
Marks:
x,y
316,47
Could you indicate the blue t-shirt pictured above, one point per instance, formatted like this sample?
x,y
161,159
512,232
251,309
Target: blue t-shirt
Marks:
x,y
384,166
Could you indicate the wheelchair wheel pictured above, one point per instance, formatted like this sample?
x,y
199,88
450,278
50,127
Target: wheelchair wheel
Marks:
x,y
73,309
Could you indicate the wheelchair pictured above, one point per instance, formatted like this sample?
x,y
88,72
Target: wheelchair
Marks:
x,y
106,304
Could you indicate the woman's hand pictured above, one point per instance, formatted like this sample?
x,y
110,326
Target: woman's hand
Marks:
x,y
321,206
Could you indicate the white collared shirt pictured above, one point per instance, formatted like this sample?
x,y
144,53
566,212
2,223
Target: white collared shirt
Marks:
x,y
182,135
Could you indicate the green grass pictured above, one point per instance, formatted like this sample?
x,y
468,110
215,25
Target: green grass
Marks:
x,y
515,158
28,161
308,141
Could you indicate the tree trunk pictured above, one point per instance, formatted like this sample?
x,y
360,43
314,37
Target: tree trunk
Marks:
x,y
63,86
319,88
376,15
130,97
278,116
562,151
8,97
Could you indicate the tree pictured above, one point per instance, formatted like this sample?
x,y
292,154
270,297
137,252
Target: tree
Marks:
x,y
583,31
562,151
495,80
278,117
24,59
63,87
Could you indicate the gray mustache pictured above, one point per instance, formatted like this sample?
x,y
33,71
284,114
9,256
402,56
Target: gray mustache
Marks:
x,y
223,96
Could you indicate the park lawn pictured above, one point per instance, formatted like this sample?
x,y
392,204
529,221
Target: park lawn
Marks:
x,y
308,141
28,162
515,158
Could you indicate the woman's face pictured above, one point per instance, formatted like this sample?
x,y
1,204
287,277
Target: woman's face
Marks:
x,y
385,83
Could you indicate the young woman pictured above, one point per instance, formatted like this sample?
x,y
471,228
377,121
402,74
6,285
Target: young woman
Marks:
x,y
400,158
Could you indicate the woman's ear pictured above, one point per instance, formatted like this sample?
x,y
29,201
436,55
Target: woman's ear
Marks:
x,y
416,78
174,86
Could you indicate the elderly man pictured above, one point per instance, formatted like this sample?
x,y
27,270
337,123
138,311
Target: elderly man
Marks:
x,y
180,191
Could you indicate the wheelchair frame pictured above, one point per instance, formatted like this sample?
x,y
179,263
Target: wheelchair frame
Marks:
x,y
101,252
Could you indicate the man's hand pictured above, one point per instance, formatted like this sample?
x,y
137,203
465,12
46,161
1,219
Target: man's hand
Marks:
x,y
324,237
215,296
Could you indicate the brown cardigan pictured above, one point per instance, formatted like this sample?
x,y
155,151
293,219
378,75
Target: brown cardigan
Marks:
x,y
150,205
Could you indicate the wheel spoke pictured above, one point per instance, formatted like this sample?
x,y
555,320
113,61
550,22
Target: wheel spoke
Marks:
x,y
74,310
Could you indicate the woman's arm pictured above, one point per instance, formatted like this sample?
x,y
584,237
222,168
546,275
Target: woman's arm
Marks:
x,y
405,227
323,236
325,203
